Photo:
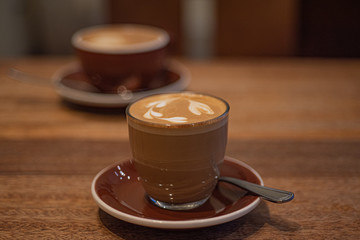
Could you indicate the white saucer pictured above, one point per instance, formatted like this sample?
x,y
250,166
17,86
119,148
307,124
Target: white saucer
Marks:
x,y
97,99
118,191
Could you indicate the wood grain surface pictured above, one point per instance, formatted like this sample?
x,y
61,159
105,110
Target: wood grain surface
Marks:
x,y
296,121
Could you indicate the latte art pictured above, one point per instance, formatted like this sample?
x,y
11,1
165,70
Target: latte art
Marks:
x,y
178,108
195,107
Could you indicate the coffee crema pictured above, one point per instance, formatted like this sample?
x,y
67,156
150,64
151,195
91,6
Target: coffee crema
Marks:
x,y
124,38
178,109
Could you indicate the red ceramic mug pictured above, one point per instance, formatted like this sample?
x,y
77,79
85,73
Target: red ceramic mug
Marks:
x,y
114,56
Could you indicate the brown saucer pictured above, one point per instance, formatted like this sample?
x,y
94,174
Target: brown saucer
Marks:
x,y
118,191
80,81
72,84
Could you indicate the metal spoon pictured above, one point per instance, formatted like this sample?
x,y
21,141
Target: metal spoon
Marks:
x,y
82,86
270,194
24,77
28,78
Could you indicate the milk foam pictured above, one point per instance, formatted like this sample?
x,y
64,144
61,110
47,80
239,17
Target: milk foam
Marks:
x,y
120,38
178,108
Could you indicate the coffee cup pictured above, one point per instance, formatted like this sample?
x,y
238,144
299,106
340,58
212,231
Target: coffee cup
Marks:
x,y
178,143
118,55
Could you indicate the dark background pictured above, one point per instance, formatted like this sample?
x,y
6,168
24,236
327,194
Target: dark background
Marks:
x,y
306,28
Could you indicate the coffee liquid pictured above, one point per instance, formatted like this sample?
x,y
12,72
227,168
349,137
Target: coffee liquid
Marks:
x,y
178,142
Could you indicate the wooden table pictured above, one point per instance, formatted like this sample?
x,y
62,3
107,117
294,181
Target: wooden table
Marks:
x,y
296,121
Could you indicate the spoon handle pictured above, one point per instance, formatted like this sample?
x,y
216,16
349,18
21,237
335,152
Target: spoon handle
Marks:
x,y
28,78
270,194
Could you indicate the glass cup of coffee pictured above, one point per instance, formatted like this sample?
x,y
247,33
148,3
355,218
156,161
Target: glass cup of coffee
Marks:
x,y
178,143
121,54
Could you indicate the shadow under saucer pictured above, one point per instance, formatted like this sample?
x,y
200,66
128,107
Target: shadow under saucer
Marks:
x,y
240,228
